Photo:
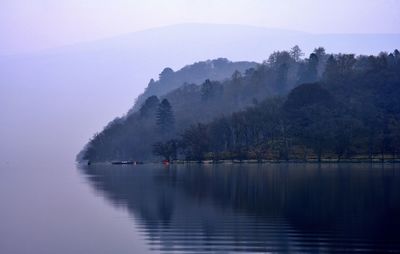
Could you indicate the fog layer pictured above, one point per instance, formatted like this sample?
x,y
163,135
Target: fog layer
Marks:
x,y
50,102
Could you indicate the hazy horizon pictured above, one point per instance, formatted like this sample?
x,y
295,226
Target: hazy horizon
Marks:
x,y
76,90
61,61
84,43
29,26
71,72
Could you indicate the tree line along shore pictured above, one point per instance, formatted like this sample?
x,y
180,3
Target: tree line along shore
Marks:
x,y
324,108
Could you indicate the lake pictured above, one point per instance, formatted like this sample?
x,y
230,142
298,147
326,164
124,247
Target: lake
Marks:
x,y
195,208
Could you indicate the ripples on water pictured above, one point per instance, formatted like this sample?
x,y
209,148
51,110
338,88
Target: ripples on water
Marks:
x,y
258,208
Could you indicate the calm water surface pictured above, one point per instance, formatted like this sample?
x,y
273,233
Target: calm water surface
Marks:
x,y
257,208
201,208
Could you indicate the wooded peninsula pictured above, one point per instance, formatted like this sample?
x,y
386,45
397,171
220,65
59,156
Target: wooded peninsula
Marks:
x,y
288,108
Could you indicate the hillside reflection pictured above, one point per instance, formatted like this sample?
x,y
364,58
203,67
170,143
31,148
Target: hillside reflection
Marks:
x,y
258,208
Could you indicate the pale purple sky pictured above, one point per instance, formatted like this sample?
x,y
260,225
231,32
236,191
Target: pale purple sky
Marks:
x,y
30,25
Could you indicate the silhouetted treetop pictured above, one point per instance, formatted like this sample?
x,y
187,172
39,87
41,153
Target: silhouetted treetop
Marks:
x,y
149,106
290,107
165,116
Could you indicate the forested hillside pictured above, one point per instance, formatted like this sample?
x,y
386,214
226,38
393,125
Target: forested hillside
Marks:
x,y
218,69
288,107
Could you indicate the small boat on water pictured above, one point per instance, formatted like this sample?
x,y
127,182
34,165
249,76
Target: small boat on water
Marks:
x,y
126,162
122,162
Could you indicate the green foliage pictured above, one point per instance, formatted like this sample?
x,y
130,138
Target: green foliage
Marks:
x,y
149,106
336,106
211,90
296,53
167,150
165,116
195,142
169,80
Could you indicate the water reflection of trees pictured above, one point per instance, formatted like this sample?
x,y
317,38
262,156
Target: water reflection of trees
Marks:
x,y
277,207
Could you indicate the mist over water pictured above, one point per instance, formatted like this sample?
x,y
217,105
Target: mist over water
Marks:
x,y
52,102
49,208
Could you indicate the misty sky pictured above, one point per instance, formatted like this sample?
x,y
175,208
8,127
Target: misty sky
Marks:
x,y
30,25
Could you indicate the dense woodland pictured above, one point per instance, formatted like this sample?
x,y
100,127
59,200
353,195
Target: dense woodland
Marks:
x,y
288,108
218,69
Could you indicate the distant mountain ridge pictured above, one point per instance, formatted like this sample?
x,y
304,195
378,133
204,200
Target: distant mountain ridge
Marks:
x,y
89,83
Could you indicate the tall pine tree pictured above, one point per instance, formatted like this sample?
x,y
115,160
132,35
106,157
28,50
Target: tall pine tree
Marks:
x,y
165,117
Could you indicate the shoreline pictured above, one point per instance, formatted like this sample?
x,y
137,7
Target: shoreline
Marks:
x,y
309,161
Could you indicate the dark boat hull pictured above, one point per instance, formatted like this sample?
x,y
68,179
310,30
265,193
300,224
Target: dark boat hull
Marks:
x,y
122,162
